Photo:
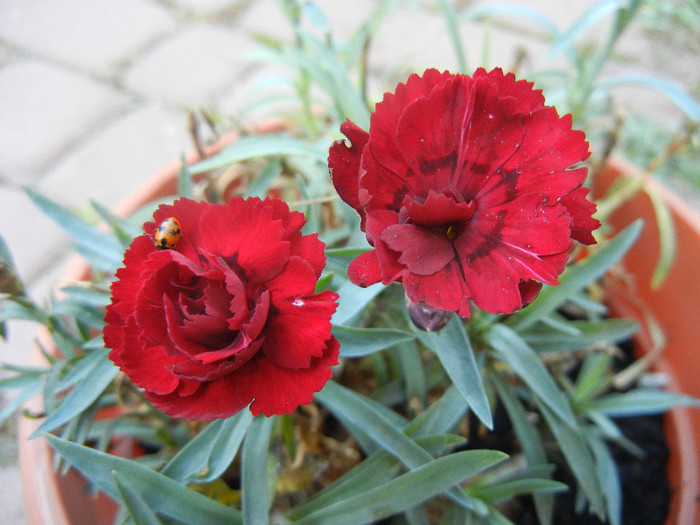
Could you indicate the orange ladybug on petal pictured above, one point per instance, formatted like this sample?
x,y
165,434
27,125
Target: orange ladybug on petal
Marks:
x,y
168,234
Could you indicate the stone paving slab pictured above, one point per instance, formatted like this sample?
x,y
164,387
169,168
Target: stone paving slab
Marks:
x,y
118,158
34,239
45,110
94,35
11,492
191,67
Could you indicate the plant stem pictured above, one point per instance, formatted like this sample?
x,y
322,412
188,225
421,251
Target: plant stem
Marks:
x,y
591,70
453,29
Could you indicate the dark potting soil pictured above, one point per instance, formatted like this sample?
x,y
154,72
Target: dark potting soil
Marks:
x,y
644,482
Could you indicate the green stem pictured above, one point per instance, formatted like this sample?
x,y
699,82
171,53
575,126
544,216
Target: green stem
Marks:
x,y
592,69
453,29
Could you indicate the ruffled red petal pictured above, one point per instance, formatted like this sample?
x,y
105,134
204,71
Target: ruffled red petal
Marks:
x,y
280,390
581,211
438,209
344,163
297,333
444,290
247,230
384,120
365,269
227,315
475,166
423,251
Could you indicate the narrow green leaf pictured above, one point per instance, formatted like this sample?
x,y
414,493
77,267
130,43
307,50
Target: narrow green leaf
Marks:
x,y
356,411
69,375
670,90
87,295
376,470
592,379
88,236
586,333
607,427
441,416
256,146
23,309
527,433
504,490
519,11
85,314
162,494
407,490
412,373
527,365
577,276
353,300
185,187
453,348
124,229
334,77
101,372
24,370
6,254
453,30
97,259
578,455
138,510
10,283
530,441
583,23
32,386
205,457
314,14
608,476
262,181
344,256
639,402
667,238
255,497
358,342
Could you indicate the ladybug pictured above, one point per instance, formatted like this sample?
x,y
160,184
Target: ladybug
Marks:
x,y
168,234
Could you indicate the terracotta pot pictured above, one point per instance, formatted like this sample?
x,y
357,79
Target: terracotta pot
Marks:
x,y
675,305
62,500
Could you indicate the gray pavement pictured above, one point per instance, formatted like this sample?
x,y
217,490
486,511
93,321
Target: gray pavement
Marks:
x,y
94,96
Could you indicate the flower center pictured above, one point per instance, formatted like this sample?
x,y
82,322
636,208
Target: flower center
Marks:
x,y
438,209
452,231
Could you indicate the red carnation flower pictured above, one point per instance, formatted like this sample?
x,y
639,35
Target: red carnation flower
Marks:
x,y
466,190
228,316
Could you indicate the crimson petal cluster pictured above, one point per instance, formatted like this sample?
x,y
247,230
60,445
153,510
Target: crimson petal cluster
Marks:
x,y
227,319
468,190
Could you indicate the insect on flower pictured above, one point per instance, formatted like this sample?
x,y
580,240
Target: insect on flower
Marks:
x,y
168,234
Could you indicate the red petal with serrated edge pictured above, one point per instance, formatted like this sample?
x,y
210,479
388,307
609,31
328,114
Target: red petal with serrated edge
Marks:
x,y
469,190
423,251
365,270
302,320
228,315
344,163
280,390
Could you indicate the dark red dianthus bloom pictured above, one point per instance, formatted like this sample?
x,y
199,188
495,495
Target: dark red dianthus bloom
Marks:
x,y
466,190
228,317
